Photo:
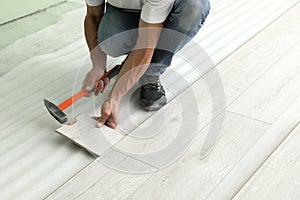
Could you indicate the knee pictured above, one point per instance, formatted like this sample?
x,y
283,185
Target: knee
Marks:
x,y
107,43
197,10
110,49
193,14
116,44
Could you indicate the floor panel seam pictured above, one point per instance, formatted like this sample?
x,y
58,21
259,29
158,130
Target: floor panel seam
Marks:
x,y
248,117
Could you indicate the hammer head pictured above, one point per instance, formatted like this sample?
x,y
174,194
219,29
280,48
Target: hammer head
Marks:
x,y
57,113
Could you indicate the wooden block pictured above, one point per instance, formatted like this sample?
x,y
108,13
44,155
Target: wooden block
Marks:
x,y
85,134
279,177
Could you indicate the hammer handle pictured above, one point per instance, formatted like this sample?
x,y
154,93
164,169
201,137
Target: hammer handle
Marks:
x,y
110,74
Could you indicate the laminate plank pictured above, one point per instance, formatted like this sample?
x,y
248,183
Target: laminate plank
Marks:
x,y
85,134
193,178
99,181
245,26
174,125
258,154
279,177
273,92
291,20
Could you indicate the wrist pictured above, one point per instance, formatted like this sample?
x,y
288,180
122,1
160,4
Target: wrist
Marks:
x,y
98,58
114,98
98,68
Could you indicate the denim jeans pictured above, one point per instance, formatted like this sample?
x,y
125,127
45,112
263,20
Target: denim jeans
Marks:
x,y
118,31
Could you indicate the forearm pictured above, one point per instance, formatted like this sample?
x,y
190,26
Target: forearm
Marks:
x,y
135,66
138,60
91,24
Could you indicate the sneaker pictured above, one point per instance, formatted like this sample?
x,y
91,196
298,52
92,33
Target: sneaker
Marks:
x,y
152,96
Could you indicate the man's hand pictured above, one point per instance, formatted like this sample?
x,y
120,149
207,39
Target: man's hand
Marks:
x,y
109,114
90,80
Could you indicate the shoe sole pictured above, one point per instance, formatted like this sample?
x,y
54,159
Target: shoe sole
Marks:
x,y
153,106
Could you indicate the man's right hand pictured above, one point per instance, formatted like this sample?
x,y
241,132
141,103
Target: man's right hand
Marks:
x,y
91,78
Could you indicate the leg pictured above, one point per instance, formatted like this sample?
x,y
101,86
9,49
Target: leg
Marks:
x,y
114,37
182,24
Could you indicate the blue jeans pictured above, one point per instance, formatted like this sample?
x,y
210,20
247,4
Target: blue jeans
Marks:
x,y
118,31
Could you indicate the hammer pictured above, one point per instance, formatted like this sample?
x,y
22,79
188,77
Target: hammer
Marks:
x,y
57,111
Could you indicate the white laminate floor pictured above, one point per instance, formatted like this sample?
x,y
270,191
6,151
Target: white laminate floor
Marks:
x,y
261,85
260,77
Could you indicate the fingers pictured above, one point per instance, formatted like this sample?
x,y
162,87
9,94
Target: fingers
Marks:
x,y
115,116
112,121
106,119
109,115
101,121
106,83
90,79
112,124
109,122
88,84
105,114
99,88
102,86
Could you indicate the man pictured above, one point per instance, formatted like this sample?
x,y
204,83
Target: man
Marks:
x,y
136,28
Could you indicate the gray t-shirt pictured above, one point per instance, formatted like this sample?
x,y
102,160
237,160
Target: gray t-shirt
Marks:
x,y
152,11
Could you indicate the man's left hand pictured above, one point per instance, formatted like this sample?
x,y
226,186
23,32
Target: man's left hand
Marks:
x,y
109,114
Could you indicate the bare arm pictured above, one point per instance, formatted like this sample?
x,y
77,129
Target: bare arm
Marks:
x,y
98,57
91,24
138,60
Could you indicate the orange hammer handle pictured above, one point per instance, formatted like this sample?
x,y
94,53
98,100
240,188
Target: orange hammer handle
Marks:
x,y
110,74
64,105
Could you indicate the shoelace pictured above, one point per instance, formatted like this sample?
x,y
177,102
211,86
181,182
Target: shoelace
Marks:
x,y
153,86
